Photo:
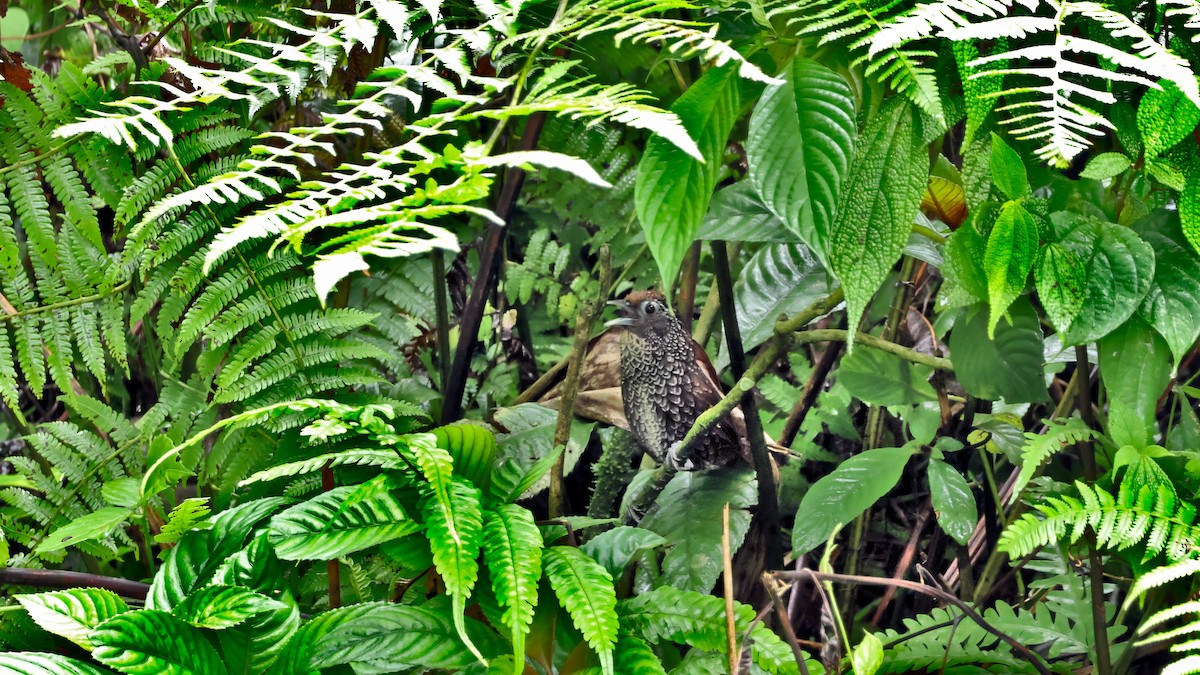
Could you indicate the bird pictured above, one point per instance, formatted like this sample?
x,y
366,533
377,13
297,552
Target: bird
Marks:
x,y
667,381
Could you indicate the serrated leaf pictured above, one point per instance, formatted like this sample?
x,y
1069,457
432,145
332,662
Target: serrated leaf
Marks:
x,y
878,203
512,548
1164,116
1135,367
1060,281
844,494
1008,367
217,607
394,637
73,613
799,145
324,528
952,501
689,517
585,590
36,663
454,523
1119,268
1008,171
152,642
778,279
1011,249
672,189
867,657
737,213
1170,305
615,549
1106,165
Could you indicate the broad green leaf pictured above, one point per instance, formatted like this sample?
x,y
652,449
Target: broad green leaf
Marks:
x,y
73,613
1119,268
737,213
672,189
867,657
799,146
512,548
778,279
296,655
1170,306
1011,249
979,93
192,563
324,527
878,204
880,378
217,607
689,517
632,657
965,250
1060,281
1164,117
845,493
1106,165
454,524
37,663
1008,171
1135,366
668,615
252,646
1167,174
95,525
394,637
1189,209
152,642
530,444
585,590
616,548
1008,367
952,501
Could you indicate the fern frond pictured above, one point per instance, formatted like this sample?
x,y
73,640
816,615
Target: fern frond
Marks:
x,y
1060,433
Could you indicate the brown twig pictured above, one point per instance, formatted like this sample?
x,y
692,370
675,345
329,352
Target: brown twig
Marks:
x,y
785,622
1102,659
727,561
15,576
812,389
685,298
333,572
906,559
1020,649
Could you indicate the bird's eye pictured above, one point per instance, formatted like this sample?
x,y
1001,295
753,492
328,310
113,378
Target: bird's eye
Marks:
x,y
649,307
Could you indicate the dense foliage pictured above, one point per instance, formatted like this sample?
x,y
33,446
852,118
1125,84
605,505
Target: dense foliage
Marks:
x,y
302,364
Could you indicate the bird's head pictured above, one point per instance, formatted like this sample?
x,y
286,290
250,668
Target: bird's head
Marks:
x,y
644,313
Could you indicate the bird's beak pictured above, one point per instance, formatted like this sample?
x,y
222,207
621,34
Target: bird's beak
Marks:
x,y
623,307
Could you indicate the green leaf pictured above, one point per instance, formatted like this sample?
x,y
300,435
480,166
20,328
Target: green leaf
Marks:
x,y
454,523
845,493
394,637
689,517
1189,209
73,613
35,663
1106,165
186,515
1167,174
530,444
296,655
799,146
1060,281
1164,117
778,279
585,590
512,548
878,203
152,642
1119,268
1008,367
672,189
952,501
95,525
1008,171
867,657
1170,305
217,607
1135,366
192,563
1011,249
615,549
325,527
252,646
737,213
880,378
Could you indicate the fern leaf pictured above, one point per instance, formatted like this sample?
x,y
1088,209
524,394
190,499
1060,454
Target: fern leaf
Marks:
x,y
454,526
512,547
585,590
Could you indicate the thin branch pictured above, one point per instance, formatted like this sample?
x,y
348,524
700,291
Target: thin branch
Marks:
x,y
727,587
795,419
785,622
167,28
15,576
1020,649
1102,659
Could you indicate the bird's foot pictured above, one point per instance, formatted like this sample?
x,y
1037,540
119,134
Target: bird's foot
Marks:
x,y
673,459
